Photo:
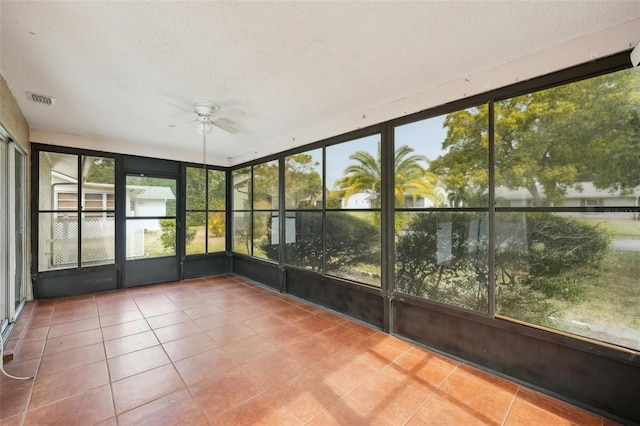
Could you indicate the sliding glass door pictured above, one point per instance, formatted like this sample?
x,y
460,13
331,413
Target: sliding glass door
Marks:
x,y
4,230
12,230
17,228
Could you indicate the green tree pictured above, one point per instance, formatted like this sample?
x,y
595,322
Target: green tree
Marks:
x,y
196,194
216,201
463,170
551,140
334,199
102,170
265,185
168,236
303,183
217,190
365,175
195,197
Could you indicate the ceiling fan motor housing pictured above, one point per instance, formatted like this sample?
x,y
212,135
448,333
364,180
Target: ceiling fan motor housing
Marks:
x,y
205,108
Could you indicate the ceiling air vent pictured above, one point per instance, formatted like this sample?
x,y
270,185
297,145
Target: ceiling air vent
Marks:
x,y
41,99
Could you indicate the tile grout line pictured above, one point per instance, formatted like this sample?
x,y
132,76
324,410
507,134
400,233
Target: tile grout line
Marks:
x,y
513,401
172,363
186,385
166,292
35,373
43,356
433,393
106,360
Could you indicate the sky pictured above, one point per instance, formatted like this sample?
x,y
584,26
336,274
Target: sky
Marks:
x,y
425,137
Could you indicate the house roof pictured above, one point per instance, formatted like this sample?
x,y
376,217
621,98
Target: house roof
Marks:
x,y
151,193
122,72
580,190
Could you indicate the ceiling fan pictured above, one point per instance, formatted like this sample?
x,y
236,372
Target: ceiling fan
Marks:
x,y
208,114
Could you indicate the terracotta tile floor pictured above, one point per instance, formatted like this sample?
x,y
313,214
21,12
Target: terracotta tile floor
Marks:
x,y
223,350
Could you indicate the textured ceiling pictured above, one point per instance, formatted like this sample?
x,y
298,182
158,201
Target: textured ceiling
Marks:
x,y
122,72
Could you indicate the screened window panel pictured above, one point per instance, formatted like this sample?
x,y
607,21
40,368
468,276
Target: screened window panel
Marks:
x,y
148,238
242,232
443,256
443,161
57,242
216,223
196,194
573,145
58,174
265,186
98,185
303,180
98,245
195,233
354,174
304,240
266,234
217,190
353,246
241,188
568,170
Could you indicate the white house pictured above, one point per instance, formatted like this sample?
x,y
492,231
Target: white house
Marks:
x,y
360,200
583,194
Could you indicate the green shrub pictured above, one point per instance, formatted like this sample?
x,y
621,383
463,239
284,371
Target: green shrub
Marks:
x,y
560,256
459,279
538,257
168,236
349,241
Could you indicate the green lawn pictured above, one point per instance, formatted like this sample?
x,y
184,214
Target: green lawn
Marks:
x,y
153,246
616,299
620,228
196,246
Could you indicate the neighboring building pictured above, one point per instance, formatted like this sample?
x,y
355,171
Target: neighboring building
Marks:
x,y
148,201
583,194
361,200
367,200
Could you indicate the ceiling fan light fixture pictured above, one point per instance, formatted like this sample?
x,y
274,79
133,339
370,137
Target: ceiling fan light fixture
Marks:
x,y
205,128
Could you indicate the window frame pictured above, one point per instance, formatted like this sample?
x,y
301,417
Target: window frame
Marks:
x,y
206,210
79,213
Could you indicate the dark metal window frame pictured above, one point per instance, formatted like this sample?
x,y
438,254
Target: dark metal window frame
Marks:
x,y
183,206
576,73
79,210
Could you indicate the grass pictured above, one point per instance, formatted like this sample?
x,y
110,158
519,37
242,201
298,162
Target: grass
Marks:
x,y
614,298
196,246
617,228
153,246
615,301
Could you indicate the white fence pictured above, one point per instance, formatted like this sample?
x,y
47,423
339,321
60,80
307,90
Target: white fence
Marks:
x,y
98,241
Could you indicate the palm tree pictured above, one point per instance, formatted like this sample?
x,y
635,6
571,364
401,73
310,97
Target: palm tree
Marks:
x,y
365,176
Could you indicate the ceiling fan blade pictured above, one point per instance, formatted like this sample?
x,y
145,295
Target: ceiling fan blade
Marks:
x,y
225,125
233,112
178,107
193,120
